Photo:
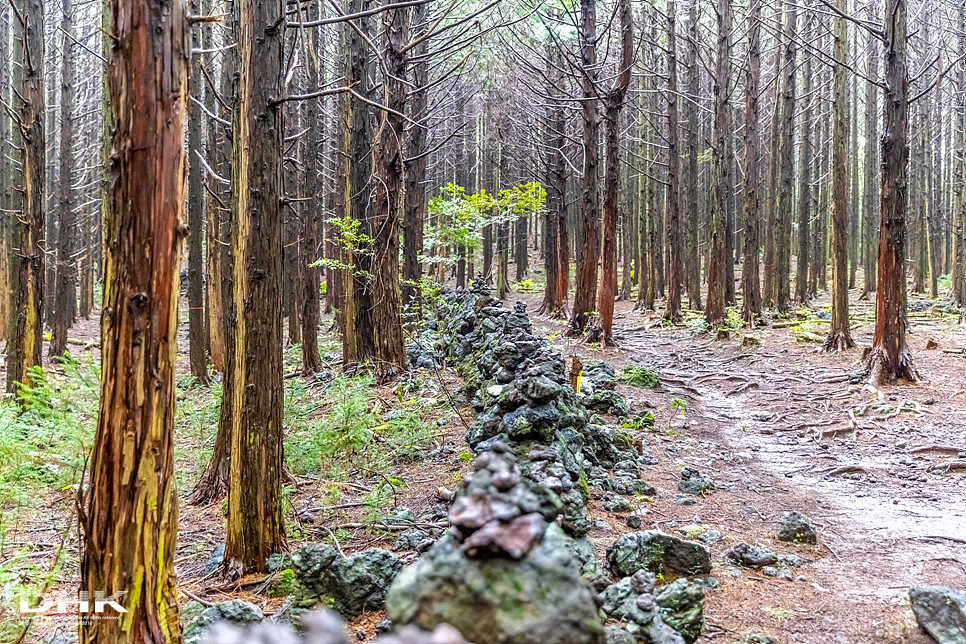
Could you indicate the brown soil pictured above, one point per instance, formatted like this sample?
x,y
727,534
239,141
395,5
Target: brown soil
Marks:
x,y
760,423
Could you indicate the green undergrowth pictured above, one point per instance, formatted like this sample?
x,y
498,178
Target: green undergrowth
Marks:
x,y
639,376
351,430
45,447
42,450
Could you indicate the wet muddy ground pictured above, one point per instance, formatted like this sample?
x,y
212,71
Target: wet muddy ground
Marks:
x,y
779,427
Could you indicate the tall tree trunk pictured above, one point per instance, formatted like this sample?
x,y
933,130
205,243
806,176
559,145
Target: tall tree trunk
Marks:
x,y
66,287
958,168
414,208
27,263
217,151
255,527
786,161
870,192
613,103
357,169
214,481
672,311
717,272
751,306
312,208
130,518
6,169
839,335
390,355
804,180
563,239
555,222
692,258
197,331
587,253
890,358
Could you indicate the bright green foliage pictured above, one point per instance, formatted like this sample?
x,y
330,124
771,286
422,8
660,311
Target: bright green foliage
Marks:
x,y
458,217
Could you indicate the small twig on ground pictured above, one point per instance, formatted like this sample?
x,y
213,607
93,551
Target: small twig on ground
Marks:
x,y
937,448
950,466
845,469
824,543
203,602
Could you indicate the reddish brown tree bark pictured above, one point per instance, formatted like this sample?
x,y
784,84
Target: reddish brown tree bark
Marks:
x,y
587,253
130,518
890,358
613,103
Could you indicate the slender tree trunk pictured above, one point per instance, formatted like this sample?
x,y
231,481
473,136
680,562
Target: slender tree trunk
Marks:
x,y
214,481
613,103
27,262
588,254
840,337
414,213
66,286
890,358
563,239
786,161
197,332
672,311
357,168
804,181
6,168
312,209
692,258
717,273
130,519
958,169
870,196
390,355
217,149
751,307
255,527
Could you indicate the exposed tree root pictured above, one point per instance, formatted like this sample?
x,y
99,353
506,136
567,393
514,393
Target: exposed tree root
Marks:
x,y
881,372
838,341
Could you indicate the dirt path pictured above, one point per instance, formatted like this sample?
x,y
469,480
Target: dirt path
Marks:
x,y
770,424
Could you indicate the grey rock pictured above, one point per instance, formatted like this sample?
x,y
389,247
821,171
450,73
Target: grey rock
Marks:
x,y
583,551
798,528
633,521
682,607
355,583
234,611
400,516
600,524
693,482
657,552
757,638
792,561
617,634
710,537
409,540
749,555
216,559
495,600
618,505
769,571
608,402
941,612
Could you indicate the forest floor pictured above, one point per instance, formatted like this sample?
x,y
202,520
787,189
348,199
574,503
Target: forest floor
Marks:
x,y
772,420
